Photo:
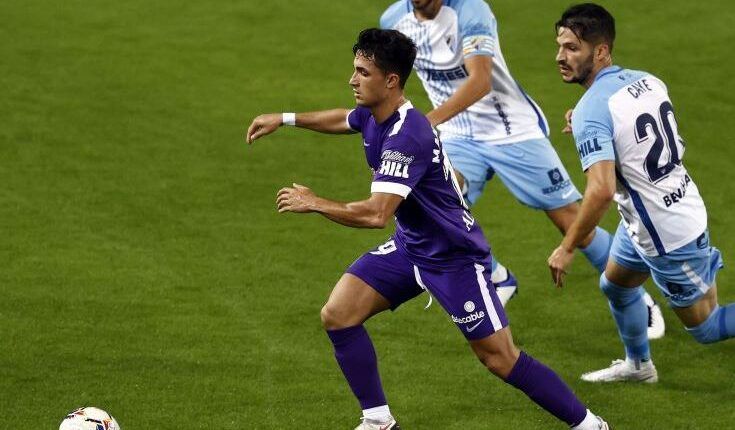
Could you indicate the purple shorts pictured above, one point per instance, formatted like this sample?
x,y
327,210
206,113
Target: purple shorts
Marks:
x,y
466,294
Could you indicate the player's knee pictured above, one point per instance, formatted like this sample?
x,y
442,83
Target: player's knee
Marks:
x,y
498,362
332,317
618,295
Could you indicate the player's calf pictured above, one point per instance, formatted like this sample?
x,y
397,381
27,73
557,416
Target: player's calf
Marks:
x,y
631,317
720,325
498,353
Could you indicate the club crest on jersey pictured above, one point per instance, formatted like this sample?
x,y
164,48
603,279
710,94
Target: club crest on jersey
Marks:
x,y
395,163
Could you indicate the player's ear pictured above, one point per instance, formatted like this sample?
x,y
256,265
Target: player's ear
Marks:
x,y
392,80
602,51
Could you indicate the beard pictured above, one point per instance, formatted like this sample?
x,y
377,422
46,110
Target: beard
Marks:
x,y
583,71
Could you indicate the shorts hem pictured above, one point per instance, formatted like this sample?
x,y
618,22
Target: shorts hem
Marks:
x,y
628,265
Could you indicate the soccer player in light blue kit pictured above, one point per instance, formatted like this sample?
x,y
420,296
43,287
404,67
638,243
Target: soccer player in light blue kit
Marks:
x,y
437,245
488,124
631,151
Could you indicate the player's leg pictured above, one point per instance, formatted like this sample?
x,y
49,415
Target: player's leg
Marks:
x,y
706,320
379,280
541,384
624,274
477,312
472,170
686,277
533,172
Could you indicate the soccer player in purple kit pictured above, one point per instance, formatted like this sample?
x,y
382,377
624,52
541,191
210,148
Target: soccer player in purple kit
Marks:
x,y
437,245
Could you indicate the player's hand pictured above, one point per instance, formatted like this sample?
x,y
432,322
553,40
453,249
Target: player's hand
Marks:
x,y
299,199
559,260
263,125
568,117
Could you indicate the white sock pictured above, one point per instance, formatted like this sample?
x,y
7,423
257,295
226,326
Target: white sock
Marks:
x,y
500,274
379,413
590,421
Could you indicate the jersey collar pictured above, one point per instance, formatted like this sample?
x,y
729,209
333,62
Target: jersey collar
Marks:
x,y
606,71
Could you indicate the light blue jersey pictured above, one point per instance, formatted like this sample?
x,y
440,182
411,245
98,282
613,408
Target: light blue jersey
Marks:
x,y
463,29
626,117
503,133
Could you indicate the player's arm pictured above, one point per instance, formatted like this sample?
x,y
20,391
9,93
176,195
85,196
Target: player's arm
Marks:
x,y
332,121
477,86
598,194
375,212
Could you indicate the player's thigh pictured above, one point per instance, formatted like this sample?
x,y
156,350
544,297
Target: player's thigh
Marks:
x,y
698,312
351,302
468,160
468,297
686,275
625,267
380,279
533,172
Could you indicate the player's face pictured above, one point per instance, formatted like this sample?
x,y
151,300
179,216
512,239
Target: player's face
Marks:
x,y
575,57
369,83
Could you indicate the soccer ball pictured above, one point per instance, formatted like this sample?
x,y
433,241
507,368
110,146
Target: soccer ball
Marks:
x,y
89,418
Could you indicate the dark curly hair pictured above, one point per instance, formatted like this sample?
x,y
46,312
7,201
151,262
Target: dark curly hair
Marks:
x,y
390,50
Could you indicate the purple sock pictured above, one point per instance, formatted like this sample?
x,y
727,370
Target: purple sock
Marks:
x,y
355,354
545,388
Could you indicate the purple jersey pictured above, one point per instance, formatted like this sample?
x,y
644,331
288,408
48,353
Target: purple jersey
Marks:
x,y
434,227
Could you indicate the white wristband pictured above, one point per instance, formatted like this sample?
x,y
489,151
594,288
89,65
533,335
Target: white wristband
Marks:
x,y
289,118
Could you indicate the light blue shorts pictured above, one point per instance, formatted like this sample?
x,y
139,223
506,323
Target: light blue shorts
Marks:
x,y
683,275
531,170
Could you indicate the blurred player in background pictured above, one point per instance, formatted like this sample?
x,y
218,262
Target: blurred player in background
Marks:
x,y
631,151
488,124
437,246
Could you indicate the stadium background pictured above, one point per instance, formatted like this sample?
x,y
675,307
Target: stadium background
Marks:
x,y
144,269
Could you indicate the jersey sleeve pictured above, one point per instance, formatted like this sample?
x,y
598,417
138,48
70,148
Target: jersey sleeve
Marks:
x,y
477,28
356,118
393,14
593,133
402,165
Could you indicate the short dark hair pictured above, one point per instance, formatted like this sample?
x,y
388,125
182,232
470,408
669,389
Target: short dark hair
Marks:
x,y
390,50
589,22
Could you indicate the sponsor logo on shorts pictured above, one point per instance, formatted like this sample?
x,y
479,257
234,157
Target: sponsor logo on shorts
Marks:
x,y
470,329
469,318
469,306
557,182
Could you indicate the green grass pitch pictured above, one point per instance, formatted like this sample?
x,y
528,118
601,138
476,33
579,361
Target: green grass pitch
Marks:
x,y
144,269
